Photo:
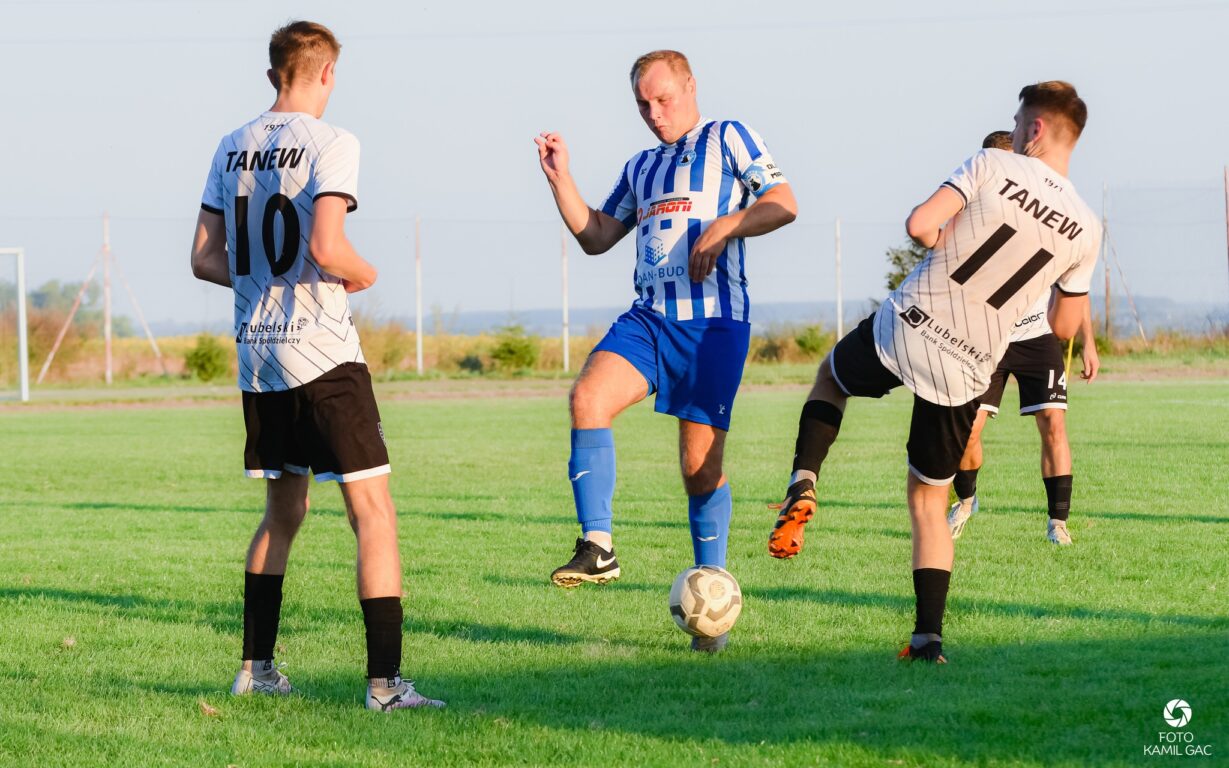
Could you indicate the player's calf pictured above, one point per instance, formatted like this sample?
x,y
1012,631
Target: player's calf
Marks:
x,y
1058,501
818,427
709,518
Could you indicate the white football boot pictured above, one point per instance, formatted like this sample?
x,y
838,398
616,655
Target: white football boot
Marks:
x,y
387,694
960,514
1056,533
263,678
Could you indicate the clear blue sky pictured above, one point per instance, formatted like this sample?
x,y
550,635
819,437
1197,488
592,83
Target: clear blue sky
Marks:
x,y
118,106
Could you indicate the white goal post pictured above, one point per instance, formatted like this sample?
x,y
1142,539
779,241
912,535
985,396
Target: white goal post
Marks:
x,y
23,351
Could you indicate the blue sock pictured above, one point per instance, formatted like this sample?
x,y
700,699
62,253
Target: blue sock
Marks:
x,y
592,472
710,525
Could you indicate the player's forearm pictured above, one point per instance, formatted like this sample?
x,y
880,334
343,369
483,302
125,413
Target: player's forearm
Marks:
x,y
922,231
1087,331
576,214
588,226
925,222
775,208
211,269
209,259
338,258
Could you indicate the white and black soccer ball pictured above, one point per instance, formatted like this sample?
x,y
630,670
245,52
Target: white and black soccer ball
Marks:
x,y
705,601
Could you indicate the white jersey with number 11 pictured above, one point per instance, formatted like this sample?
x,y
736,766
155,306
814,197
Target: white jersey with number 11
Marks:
x,y
1023,229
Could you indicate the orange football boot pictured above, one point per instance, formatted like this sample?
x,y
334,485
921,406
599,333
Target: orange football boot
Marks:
x,y
785,541
932,651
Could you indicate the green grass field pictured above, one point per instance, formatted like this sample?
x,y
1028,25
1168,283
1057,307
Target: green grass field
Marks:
x,y
122,535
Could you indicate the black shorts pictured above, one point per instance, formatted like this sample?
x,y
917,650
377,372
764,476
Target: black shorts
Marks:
x,y
1038,367
329,427
938,434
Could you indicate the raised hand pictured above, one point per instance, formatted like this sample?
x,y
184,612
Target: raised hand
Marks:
x,y
553,155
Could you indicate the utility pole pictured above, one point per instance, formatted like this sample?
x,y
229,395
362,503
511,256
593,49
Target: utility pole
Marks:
x,y
418,293
23,350
840,309
107,259
1105,255
55,345
106,291
563,255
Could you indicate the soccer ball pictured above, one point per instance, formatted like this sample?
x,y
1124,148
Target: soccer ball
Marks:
x,y
705,601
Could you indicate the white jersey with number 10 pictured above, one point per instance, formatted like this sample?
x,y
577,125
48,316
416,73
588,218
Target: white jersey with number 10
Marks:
x,y
1023,229
292,319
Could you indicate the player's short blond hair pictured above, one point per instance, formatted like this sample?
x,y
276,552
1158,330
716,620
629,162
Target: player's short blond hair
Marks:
x,y
301,49
1056,99
997,140
678,63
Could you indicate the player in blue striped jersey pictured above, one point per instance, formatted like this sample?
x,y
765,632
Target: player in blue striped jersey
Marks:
x,y
692,200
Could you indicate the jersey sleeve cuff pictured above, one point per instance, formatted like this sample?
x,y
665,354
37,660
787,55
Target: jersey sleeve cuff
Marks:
x,y
211,209
957,190
351,202
1065,292
760,192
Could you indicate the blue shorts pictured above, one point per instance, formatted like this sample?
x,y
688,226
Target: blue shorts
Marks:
x,y
694,366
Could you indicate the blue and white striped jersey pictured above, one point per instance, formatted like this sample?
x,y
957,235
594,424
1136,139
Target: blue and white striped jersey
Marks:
x,y
670,194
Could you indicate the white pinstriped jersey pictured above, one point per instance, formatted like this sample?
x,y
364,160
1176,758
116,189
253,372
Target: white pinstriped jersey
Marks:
x,y
292,319
1034,323
1023,228
670,194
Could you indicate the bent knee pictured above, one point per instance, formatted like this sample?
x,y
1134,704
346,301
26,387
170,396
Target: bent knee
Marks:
x,y
702,481
590,406
1052,422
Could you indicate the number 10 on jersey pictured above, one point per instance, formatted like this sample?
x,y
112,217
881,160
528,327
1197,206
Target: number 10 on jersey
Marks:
x,y
280,261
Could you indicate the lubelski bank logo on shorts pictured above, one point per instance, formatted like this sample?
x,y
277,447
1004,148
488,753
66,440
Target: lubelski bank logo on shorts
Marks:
x,y
947,342
1177,742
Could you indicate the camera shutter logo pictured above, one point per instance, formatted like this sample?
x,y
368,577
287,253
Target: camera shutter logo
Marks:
x,y
1177,713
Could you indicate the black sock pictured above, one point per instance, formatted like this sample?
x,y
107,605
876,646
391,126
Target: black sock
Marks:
x,y
262,608
382,616
965,483
930,587
817,429
1058,496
